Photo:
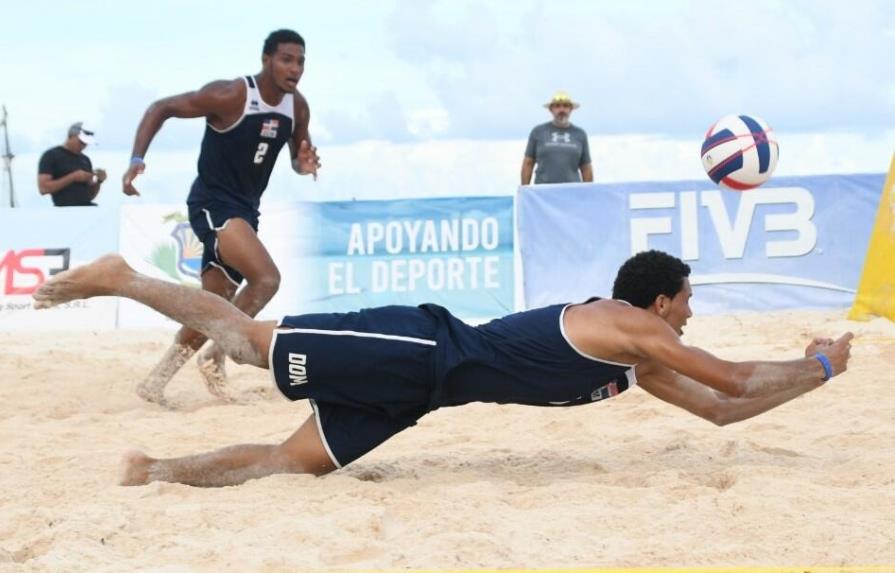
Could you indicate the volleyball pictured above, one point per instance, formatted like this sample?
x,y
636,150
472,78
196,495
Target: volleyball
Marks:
x,y
740,152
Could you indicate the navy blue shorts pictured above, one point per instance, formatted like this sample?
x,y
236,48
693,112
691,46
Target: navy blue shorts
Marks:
x,y
368,374
206,222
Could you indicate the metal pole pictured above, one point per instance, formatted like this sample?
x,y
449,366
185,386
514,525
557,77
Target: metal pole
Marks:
x,y
7,159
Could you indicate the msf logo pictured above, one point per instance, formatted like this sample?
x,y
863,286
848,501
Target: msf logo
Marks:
x,y
298,369
732,229
24,271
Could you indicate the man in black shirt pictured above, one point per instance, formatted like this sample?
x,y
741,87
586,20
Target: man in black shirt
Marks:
x,y
66,174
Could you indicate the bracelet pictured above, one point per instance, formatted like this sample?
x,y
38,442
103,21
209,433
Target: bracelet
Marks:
x,y
137,161
825,362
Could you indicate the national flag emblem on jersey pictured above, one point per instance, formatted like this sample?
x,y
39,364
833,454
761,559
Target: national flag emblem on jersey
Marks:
x,y
604,392
269,128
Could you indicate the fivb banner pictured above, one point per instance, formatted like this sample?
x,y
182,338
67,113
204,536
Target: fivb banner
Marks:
x,y
795,242
36,244
455,252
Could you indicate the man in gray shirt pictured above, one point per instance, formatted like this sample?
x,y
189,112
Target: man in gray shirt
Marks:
x,y
559,148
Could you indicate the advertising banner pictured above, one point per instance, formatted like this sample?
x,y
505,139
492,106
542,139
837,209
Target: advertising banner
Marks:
x,y
456,252
157,240
38,243
793,243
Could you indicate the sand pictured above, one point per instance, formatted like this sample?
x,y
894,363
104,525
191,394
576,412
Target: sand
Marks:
x,y
628,482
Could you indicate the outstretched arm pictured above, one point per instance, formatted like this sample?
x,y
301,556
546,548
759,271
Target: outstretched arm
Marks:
x,y
652,338
714,406
217,100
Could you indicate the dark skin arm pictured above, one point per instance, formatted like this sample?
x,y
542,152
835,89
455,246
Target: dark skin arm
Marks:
x,y
304,154
714,406
46,185
587,173
220,102
528,166
620,333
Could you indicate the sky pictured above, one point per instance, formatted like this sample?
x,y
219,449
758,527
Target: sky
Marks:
x,y
435,97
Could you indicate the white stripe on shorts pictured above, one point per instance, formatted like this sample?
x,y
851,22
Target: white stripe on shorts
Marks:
x,y
289,329
329,452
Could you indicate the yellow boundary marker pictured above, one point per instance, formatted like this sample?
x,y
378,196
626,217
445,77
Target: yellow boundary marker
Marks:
x,y
876,291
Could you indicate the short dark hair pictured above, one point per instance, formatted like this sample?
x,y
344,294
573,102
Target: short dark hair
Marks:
x,y
278,37
648,274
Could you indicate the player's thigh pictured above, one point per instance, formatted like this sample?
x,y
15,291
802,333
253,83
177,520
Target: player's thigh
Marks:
x,y
260,334
347,433
215,280
240,248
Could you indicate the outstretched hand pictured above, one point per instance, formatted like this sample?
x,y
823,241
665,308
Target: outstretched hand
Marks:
x,y
307,160
838,351
127,181
812,347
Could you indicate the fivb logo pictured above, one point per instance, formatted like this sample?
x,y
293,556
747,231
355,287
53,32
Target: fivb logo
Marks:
x,y
733,232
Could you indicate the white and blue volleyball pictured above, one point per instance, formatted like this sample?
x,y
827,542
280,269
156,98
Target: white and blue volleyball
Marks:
x,y
740,152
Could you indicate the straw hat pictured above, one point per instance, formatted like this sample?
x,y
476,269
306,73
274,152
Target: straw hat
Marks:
x,y
562,97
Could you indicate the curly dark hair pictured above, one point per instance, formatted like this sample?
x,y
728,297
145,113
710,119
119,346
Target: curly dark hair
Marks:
x,y
648,274
278,37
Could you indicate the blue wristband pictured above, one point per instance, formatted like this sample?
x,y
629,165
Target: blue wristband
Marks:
x,y
825,362
137,161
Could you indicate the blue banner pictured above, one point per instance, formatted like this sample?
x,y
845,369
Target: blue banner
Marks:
x,y
453,252
796,242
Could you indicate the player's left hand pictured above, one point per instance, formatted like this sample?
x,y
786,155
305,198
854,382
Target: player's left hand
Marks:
x,y
307,160
100,175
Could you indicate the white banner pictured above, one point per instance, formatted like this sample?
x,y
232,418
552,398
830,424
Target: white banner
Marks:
x,y
157,240
36,244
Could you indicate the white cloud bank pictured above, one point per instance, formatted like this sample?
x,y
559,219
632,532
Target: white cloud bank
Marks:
x,y
384,170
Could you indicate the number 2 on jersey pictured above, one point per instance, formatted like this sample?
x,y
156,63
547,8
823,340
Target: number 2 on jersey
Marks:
x,y
261,152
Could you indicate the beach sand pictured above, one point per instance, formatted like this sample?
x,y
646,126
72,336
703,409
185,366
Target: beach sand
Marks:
x,y
627,482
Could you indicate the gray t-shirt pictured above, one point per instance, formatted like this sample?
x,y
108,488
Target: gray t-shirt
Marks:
x,y
558,152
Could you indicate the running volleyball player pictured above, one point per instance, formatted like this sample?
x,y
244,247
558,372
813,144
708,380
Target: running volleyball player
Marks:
x,y
248,120
374,373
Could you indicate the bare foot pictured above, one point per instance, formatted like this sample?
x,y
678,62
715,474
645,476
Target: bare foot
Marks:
x,y
94,279
134,468
211,367
153,388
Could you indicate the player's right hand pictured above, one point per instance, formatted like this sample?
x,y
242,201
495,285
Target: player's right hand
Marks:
x,y
127,181
838,352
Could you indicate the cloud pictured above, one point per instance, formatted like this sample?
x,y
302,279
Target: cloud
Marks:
x,y
122,110
382,117
641,68
385,170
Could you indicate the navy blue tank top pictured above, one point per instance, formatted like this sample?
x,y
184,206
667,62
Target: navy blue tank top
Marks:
x,y
235,163
523,358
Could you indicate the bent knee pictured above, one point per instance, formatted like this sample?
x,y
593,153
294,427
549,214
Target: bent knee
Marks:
x,y
302,460
267,285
